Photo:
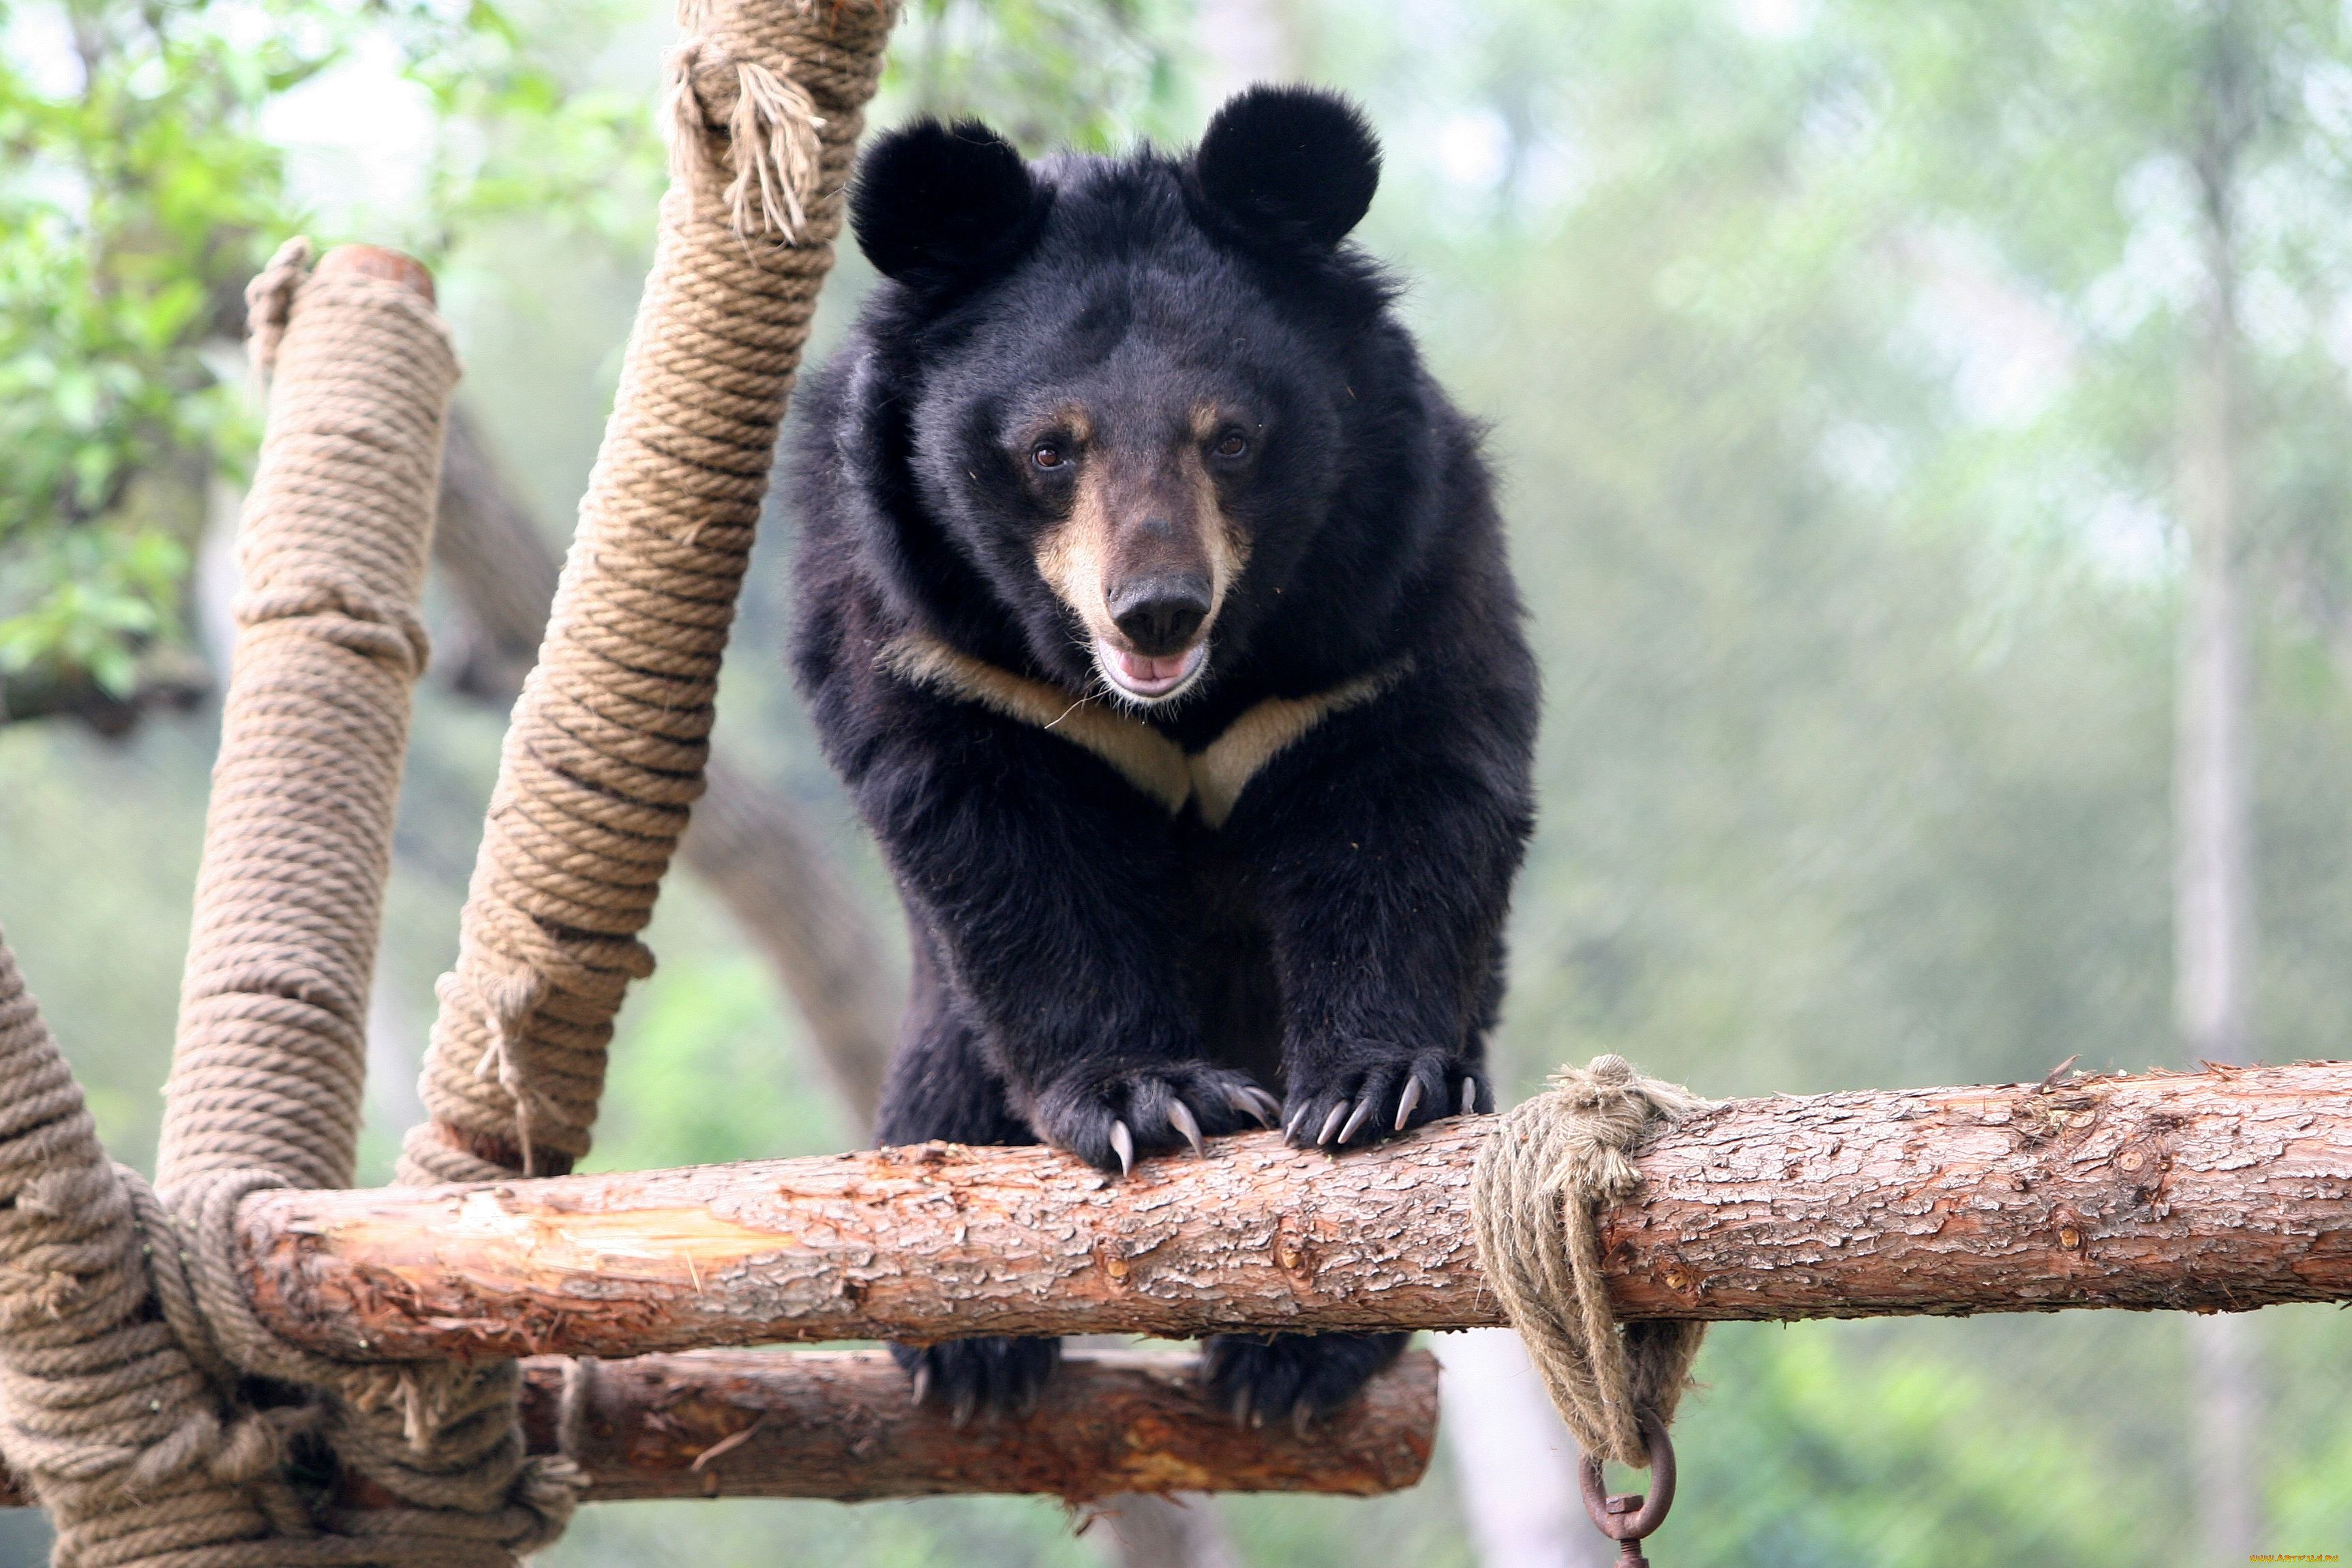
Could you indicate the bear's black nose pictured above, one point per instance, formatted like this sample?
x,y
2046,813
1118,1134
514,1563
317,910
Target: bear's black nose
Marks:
x,y
1160,615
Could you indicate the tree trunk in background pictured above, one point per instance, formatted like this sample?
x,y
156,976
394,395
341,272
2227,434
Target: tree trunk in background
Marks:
x,y
750,845
1143,1529
2213,931
1514,1463
501,566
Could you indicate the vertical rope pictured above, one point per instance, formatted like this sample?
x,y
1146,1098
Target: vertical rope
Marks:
x,y
266,1071
606,750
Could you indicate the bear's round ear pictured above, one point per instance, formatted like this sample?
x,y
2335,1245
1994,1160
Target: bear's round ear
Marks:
x,y
938,204
1289,162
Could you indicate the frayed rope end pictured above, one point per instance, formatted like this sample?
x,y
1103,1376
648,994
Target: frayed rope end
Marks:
x,y
772,148
270,304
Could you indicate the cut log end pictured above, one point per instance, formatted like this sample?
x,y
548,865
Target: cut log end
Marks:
x,y
375,261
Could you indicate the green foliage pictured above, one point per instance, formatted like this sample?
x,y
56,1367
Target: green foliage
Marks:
x,y
137,193
530,119
97,869
1088,74
941,1533
112,590
132,204
714,1069
1812,1454
1859,640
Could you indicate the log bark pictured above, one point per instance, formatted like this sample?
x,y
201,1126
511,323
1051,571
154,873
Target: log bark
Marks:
x,y
2210,1192
838,1425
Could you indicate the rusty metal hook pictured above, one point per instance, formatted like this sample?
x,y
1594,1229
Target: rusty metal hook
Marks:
x,y
1627,1517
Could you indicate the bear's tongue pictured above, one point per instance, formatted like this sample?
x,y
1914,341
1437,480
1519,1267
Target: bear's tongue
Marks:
x,y
1146,676
1142,670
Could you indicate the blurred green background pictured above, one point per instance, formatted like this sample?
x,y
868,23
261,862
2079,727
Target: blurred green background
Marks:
x,y
1842,358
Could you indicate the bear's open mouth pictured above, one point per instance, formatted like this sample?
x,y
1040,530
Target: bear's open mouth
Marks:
x,y
1147,678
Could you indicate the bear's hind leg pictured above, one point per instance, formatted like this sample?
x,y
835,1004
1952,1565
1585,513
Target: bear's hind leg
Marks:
x,y
939,1088
995,1374
1262,1377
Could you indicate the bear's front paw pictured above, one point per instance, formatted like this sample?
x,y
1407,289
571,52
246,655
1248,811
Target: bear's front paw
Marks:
x,y
1107,1121
1262,1377
1359,1100
1001,1376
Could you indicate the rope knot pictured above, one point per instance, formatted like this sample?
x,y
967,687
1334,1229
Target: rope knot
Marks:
x,y
441,1439
1539,1182
771,127
373,626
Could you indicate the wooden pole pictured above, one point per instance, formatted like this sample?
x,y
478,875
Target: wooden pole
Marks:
x,y
839,1425
2210,1192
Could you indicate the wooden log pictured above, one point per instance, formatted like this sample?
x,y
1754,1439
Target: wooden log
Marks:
x,y
839,1425
2213,1192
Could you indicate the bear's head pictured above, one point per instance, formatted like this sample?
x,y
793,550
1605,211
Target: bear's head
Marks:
x,y
1122,388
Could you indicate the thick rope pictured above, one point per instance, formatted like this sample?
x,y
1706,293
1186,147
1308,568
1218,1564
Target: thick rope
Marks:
x,y
606,748
142,1401
267,1073
152,1411
267,1076
103,1410
1539,1182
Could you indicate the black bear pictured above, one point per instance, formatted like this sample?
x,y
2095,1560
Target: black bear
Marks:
x,y
1151,600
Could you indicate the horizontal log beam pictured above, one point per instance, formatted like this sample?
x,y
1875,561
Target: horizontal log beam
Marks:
x,y
2211,1192
839,1425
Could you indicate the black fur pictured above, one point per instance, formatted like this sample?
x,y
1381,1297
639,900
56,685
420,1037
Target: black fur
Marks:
x,y
1082,958
1287,166
935,204
1307,1375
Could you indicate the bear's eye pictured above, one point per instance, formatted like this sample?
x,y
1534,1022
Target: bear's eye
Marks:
x,y
1048,455
1231,444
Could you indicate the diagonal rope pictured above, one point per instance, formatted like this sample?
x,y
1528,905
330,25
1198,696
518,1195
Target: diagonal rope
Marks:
x,y
111,1420
606,753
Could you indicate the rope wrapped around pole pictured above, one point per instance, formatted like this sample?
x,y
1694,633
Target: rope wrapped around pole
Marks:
x,y
1553,1162
608,744
108,1415
152,1413
268,1070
